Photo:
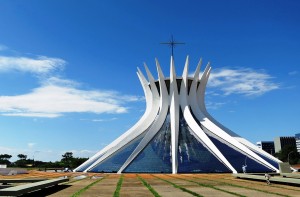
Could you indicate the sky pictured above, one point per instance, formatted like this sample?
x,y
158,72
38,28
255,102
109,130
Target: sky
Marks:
x,y
68,68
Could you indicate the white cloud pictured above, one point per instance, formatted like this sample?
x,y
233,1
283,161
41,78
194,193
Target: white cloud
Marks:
x,y
104,120
293,73
3,47
81,153
5,149
41,155
15,151
242,81
39,65
59,96
214,105
30,145
60,82
37,115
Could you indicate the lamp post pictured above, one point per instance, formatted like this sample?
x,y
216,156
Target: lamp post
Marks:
x,y
33,155
289,156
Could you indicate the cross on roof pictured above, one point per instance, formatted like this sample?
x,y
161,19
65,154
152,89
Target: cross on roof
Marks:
x,y
172,43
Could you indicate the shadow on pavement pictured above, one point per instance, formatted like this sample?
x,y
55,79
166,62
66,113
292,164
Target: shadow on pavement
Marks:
x,y
47,191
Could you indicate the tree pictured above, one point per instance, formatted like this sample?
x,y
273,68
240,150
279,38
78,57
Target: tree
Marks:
x,y
78,161
22,162
67,156
22,157
67,159
4,159
288,154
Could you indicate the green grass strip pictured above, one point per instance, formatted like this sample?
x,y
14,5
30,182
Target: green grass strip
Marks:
x,y
179,187
78,193
244,187
210,186
149,187
119,185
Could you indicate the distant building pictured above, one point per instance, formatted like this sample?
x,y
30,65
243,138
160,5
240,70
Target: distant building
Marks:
x,y
267,146
3,166
281,142
297,138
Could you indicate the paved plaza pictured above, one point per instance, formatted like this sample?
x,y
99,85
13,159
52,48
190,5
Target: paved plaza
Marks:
x,y
143,185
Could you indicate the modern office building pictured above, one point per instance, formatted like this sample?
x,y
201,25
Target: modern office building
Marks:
x,y
267,146
176,134
297,138
280,142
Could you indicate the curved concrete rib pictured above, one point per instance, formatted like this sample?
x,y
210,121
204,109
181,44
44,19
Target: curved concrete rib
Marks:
x,y
255,148
142,125
222,130
201,100
192,102
194,125
174,116
158,122
149,106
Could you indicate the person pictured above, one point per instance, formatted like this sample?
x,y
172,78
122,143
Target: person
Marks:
x,y
267,176
244,168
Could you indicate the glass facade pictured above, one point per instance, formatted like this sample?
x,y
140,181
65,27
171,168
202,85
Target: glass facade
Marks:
x,y
272,162
114,163
156,156
237,159
192,155
85,166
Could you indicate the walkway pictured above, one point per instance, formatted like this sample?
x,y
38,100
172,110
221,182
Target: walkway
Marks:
x,y
144,185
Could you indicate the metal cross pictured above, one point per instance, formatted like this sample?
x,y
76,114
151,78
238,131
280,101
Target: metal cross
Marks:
x,y
172,43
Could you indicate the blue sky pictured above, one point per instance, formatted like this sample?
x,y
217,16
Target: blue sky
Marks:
x,y
68,68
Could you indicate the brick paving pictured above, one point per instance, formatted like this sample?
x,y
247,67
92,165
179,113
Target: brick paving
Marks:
x,y
202,184
132,186
103,188
273,188
165,189
73,188
245,192
204,191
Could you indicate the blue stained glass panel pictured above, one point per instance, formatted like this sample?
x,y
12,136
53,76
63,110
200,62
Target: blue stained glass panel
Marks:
x,y
115,162
156,156
237,159
272,162
193,157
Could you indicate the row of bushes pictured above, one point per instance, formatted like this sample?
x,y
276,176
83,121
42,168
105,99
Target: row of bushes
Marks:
x,y
67,161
